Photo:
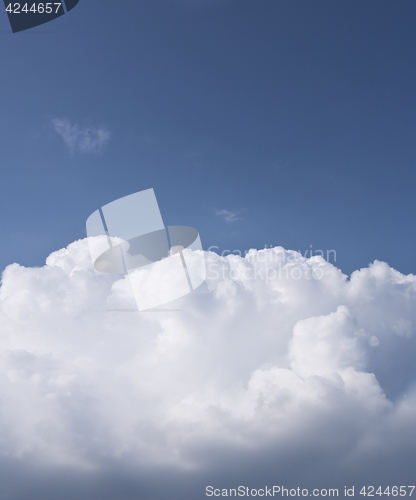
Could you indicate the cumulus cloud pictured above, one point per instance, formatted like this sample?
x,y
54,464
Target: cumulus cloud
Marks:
x,y
279,370
84,139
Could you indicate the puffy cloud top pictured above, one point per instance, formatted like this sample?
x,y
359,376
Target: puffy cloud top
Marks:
x,y
277,359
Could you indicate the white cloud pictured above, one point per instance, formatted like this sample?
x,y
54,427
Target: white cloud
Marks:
x,y
228,215
84,139
260,378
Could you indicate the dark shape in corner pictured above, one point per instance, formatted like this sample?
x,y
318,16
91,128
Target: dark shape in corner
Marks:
x,y
37,12
70,4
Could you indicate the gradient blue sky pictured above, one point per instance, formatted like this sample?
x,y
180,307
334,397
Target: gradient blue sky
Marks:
x,y
298,115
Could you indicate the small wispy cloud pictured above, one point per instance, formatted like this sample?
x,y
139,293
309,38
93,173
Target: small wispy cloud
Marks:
x,y
84,139
228,215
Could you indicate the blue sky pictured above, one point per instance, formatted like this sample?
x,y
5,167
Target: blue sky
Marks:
x,y
297,116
